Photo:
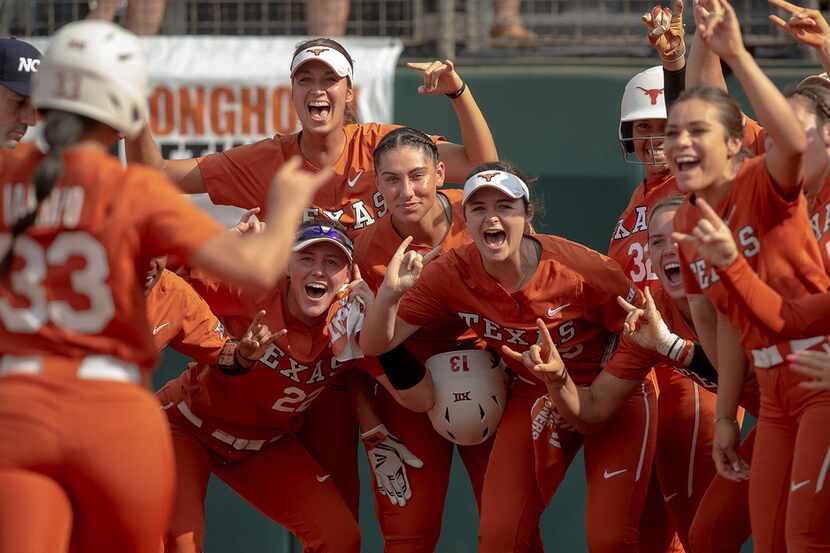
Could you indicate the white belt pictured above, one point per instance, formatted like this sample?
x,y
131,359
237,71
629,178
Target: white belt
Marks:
x,y
92,367
764,358
221,435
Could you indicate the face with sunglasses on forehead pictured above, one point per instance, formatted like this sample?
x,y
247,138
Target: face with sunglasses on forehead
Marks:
x,y
320,266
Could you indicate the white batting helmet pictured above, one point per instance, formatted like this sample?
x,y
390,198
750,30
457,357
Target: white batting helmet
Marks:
x,y
470,395
643,98
95,69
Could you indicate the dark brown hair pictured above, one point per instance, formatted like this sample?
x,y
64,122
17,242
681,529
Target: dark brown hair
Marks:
x,y
728,110
406,137
819,97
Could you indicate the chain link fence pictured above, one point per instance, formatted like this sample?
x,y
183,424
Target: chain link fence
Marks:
x,y
426,27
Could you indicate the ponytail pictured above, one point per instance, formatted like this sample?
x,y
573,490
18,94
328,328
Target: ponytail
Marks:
x,y
62,129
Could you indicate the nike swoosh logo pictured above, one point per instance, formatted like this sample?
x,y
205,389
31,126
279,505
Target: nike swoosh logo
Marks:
x,y
728,219
168,405
553,311
157,329
352,181
608,475
323,478
668,498
797,486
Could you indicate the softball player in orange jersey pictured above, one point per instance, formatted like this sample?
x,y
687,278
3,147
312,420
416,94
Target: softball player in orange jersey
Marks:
x,y
77,234
499,286
685,410
410,176
761,200
238,422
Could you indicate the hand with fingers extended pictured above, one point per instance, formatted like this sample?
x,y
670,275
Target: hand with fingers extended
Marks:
x,y
711,237
440,77
246,225
815,364
719,28
724,450
256,341
359,289
666,32
402,271
646,327
805,25
295,185
542,358
389,457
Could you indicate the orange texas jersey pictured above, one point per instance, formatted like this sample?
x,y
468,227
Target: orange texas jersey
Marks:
x,y
375,247
77,285
241,176
629,244
819,211
774,235
282,384
754,136
795,318
574,290
181,319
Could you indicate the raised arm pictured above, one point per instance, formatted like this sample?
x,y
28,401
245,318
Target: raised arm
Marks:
x,y
382,329
184,173
806,26
722,34
257,260
703,66
668,37
477,145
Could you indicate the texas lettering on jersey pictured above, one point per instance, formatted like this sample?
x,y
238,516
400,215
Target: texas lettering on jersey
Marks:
x,y
750,247
358,212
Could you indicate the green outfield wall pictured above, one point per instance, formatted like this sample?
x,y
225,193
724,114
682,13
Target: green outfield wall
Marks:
x,y
557,123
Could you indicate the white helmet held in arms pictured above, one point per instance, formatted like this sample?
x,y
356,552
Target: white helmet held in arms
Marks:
x,y
470,395
643,98
95,69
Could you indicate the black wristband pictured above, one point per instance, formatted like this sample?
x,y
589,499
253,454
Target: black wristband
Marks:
x,y
702,370
674,82
457,93
402,369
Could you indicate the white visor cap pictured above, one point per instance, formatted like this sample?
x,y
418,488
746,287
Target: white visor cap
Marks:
x,y
331,57
508,183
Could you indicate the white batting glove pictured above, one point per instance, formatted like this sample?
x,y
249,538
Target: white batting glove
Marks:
x,y
388,458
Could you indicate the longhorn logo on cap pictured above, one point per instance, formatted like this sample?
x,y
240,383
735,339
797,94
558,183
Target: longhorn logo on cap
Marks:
x,y
317,51
488,176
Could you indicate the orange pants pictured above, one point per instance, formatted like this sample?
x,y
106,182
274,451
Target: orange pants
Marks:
x,y
282,480
789,494
618,458
85,465
416,528
683,459
330,434
721,524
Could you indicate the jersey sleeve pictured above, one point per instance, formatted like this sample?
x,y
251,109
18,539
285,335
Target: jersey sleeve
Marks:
x,y
631,361
794,319
202,335
681,224
754,136
168,223
240,176
427,302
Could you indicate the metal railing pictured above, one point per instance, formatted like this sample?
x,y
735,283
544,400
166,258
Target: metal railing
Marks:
x,y
428,27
